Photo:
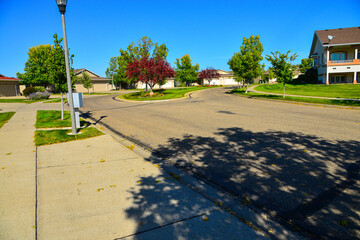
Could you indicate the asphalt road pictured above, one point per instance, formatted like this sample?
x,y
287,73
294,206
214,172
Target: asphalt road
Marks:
x,y
299,162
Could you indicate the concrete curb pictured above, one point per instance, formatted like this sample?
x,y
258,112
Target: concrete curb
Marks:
x,y
187,95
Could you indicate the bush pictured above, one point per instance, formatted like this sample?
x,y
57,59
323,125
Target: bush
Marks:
x,y
310,77
39,88
27,91
39,95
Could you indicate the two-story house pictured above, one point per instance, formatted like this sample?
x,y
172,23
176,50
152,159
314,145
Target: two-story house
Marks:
x,y
336,55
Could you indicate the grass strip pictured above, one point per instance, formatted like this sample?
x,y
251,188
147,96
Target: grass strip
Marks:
x,y
317,90
19,100
299,99
46,137
162,94
52,119
5,117
55,100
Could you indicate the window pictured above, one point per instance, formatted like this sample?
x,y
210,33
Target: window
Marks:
x,y
339,56
315,61
337,79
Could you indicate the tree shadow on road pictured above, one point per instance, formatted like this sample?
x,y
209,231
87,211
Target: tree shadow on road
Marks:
x,y
305,180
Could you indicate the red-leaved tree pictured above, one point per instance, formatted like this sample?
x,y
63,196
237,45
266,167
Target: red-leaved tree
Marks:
x,y
150,71
208,74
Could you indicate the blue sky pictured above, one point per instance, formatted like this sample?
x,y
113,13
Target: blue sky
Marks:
x,y
210,31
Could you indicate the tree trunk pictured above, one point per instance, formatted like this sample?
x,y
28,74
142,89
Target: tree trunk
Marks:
x,y
62,106
88,90
283,90
247,86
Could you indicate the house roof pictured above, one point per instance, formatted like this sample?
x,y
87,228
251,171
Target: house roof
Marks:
x,y
340,36
3,78
96,78
78,71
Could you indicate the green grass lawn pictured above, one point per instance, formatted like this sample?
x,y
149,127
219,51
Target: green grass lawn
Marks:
x,y
163,94
318,90
52,119
46,137
299,99
5,117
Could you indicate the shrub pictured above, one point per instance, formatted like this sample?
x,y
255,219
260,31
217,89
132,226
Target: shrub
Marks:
x,y
28,91
39,88
310,77
39,95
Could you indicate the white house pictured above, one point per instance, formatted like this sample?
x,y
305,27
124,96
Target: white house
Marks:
x,y
226,78
336,55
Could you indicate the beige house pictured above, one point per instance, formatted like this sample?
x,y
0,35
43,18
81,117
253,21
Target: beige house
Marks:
x,y
100,84
226,78
336,55
9,86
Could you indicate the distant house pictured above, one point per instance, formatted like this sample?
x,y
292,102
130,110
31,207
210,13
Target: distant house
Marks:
x,y
226,78
336,55
100,84
9,86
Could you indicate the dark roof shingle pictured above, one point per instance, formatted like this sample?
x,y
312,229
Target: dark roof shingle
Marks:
x,y
340,36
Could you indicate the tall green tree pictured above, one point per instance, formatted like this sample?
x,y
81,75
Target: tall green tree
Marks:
x,y
306,63
282,67
186,72
36,71
246,64
46,67
144,47
86,81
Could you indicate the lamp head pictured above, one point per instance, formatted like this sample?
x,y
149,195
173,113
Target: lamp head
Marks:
x,y
62,5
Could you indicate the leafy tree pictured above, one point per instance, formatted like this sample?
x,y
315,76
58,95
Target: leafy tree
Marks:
x,y
150,71
186,72
46,67
144,47
282,67
306,63
112,70
209,74
246,63
86,81
37,66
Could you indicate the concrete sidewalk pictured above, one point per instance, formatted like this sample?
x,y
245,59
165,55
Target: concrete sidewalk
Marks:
x,y
97,189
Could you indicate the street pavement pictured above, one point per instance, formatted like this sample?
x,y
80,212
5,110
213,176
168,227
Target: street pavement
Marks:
x,y
99,188
297,162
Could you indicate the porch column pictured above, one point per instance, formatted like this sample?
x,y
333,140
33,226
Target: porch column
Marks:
x,y
356,53
327,56
327,78
354,82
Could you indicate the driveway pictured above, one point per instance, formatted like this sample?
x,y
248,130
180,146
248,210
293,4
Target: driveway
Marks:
x,y
297,162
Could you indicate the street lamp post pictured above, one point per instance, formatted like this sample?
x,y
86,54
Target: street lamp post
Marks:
x,y
62,8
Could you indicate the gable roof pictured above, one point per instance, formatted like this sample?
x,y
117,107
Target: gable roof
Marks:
x,y
79,71
340,36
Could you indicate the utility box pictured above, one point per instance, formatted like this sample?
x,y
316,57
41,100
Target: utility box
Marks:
x,y
78,103
78,100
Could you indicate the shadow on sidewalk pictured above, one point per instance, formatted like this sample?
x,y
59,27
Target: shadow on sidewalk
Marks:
x,y
308,181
